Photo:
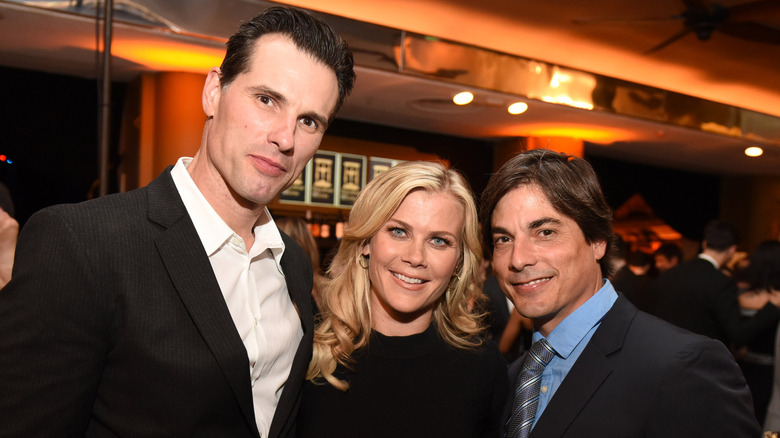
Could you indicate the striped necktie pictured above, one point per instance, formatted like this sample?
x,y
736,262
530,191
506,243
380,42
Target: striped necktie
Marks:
x,y
527,389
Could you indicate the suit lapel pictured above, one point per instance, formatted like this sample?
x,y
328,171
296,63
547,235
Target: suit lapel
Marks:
x,y
184,257
592,368
299,285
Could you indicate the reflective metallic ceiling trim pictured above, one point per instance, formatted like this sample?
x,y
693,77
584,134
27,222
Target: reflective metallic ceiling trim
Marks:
x,y
402,52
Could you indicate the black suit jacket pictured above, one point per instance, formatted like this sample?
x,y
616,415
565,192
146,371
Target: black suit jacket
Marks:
x,y
698,297
642,377
114,325
637,288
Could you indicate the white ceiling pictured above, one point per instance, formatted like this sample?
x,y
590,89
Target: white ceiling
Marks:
x,y
723,69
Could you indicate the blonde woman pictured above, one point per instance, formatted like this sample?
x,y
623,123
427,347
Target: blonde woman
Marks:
x,y
398,351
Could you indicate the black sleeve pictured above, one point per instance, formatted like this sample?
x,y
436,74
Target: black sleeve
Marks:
x,y
54,333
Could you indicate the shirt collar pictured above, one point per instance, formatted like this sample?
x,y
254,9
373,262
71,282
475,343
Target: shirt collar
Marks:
x,y
213,232
709,259
569,333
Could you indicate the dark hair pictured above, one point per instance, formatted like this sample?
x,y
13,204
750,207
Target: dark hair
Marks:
x,y
311,35
720,235
638,258
670,251
763,272
571,186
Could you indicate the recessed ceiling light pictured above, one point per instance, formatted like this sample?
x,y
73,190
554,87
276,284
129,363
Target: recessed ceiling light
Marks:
x,y
754,151
463,98
517,108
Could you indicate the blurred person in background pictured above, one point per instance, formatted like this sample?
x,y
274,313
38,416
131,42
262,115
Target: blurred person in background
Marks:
x,y
698,296
296,228
667,256
758,358
9,231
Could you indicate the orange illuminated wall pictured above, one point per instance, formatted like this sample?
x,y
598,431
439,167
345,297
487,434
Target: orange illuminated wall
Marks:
x,y
571,146
169,122
508,148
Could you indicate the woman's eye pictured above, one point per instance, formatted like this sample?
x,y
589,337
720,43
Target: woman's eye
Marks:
x,y
440,241
398,232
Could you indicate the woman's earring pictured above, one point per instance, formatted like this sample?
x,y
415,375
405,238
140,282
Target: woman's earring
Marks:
x,y
363,261
453,282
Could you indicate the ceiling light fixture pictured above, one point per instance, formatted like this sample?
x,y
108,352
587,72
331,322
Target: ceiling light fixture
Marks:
x,y
754,151
463,98
517,108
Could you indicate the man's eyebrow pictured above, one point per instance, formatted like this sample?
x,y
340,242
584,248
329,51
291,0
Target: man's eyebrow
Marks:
x,y
262,89
499,230
542,222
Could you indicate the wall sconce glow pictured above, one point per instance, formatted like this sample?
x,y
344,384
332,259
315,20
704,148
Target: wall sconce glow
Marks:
x,y
558,78
170,56
517,108
754,151
463,98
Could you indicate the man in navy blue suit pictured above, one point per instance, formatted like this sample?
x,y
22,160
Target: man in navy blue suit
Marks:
x,y
616,371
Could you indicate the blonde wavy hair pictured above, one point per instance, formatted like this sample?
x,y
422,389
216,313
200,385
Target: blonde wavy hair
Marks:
x,y
345,323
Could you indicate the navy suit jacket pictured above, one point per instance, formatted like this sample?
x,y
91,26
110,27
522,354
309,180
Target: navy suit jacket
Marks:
x,y
642,377
114,325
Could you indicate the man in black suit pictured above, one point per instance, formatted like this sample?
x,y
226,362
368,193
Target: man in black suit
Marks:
x,y
179,309
699,297
613,371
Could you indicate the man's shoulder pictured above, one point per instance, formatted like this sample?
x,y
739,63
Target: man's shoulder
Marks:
x,y
657,341
695,264
126,203
97,207
692,272
643,332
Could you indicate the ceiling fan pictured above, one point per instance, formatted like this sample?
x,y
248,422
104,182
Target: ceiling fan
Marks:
x,y
704,18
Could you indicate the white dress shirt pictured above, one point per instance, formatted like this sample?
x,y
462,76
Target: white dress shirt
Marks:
x,y
255,291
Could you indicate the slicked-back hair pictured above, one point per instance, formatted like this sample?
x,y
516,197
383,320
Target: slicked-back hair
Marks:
x,y
310,34
571,186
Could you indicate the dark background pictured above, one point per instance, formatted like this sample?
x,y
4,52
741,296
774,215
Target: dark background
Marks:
x,y
50,133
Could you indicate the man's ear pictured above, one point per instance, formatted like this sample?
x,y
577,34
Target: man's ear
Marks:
x,y
599,249
212,91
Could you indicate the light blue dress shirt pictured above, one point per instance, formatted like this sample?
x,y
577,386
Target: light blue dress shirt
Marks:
x,y
568,340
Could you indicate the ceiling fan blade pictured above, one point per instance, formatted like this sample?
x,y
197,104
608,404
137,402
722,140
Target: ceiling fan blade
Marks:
x,y
695,5
625,21
759,10
752,32
674,38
